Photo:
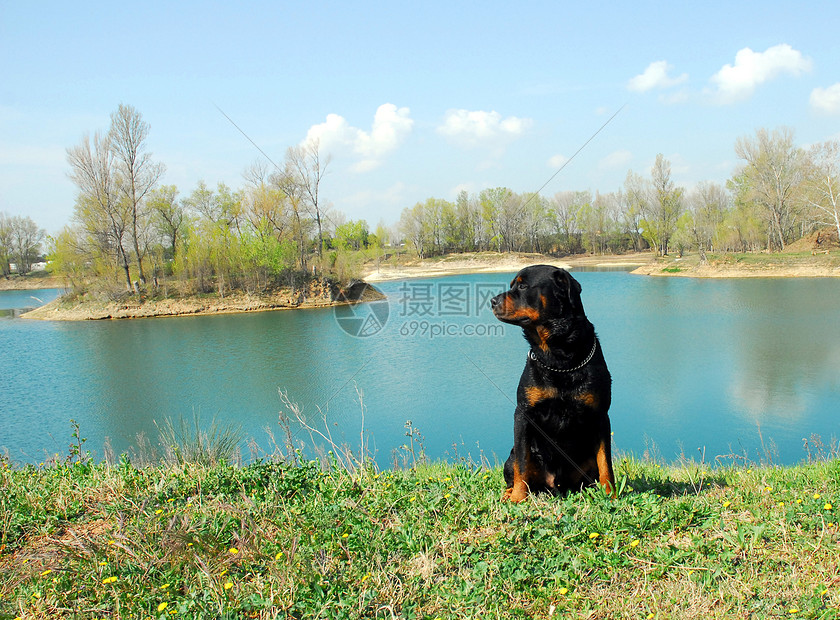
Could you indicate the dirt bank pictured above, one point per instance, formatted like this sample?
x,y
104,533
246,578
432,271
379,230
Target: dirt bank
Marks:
x,y
319,294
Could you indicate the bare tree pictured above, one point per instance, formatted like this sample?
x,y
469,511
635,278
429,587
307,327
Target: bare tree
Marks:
x,y
138,173
709,204
99,210
773,178
823,186
305,166
26,239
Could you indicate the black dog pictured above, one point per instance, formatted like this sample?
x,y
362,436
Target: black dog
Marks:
x,y
561,430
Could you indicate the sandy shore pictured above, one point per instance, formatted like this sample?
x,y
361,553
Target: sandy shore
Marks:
x,y
769,269
27,283
488,262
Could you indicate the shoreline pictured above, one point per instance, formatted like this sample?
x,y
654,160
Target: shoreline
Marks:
x,y
320,295
323,295
485,262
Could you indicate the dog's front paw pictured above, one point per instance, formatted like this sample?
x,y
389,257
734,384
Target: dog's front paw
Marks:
x,y
514,496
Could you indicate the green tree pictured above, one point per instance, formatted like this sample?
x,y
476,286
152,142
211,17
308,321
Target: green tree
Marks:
x,y
352,235
169,217
5,244
665,207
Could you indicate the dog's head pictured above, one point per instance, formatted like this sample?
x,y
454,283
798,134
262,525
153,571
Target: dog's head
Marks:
x,y
539,295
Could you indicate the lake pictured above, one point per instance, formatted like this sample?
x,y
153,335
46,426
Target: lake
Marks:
x,y
721,366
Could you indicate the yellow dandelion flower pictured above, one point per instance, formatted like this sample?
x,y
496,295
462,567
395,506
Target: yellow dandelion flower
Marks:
x,y
162,606
447,496
278,556
111,542
635,543
594,535
110,579
828,506
781,504
46,572
366,577
228,585
413,498
799,501
768,488
164,586
793,610
158,511
170,500
564,591
103,563
233,550
816,495
726,504
345,535
649,616
223,573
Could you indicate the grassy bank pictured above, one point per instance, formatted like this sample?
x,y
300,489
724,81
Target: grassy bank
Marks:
x,y
274,540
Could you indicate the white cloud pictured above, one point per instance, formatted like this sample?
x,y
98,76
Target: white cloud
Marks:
x,y
655,76
826,99
555,161
737,82
391,125
473,128
616,159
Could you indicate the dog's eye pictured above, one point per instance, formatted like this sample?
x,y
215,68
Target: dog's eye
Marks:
x,y
521,286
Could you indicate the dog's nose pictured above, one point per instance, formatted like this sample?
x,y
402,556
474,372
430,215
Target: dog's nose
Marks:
x,y
495,301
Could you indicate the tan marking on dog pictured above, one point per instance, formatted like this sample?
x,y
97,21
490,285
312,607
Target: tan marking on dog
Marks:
x,y
535,394
543,333
525,313
605,476
589,399
519,490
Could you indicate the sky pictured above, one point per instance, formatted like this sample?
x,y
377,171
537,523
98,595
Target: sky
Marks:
x,y
410,100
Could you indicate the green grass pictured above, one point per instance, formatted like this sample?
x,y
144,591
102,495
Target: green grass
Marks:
x,y
275,540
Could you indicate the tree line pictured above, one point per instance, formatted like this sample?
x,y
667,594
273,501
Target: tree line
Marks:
x,y
779,194
131,233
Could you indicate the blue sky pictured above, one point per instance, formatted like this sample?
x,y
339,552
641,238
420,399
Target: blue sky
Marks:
x,y
410,100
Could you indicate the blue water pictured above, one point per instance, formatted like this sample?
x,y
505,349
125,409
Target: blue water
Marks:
x,y
717,365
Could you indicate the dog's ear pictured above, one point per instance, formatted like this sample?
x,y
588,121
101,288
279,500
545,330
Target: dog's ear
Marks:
x,y
568,287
